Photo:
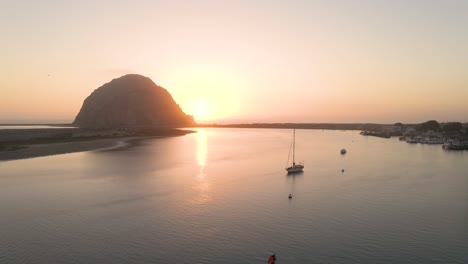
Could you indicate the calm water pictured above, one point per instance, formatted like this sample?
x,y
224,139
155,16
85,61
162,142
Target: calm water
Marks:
x,y
220,196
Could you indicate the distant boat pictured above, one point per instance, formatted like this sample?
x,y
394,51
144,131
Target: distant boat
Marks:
x,y
294,168
343,151
455,145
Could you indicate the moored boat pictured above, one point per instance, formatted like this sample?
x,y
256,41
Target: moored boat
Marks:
x,y
294,168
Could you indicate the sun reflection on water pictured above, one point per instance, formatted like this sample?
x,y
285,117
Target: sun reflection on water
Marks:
x,y
201,149
202,185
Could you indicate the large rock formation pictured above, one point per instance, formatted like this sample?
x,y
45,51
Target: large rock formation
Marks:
x,y
131,101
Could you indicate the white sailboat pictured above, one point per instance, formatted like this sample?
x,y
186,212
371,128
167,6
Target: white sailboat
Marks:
x,y
294,168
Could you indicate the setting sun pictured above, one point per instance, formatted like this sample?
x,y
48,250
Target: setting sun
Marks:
x,y
202,108
212,98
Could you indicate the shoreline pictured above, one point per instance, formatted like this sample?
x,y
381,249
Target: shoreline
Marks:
x,y
14,150
50,149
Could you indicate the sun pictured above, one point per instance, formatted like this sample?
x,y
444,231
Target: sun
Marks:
x,y
202,108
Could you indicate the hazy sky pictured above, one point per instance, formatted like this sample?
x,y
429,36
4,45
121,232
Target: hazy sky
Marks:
x,y
241,61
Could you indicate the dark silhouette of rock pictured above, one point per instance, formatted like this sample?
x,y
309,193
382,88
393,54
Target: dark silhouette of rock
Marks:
x,y
131,101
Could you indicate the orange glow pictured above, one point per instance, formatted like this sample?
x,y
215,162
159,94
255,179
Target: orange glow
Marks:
x,y
223,62
213,95
202,108
201,150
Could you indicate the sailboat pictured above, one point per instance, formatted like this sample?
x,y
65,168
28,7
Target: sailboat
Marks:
x,y
294,168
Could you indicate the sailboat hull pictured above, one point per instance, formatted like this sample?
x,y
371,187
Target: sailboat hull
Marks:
x,y
295,168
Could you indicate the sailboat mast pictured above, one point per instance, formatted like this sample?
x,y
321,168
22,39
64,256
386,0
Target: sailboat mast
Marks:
x,y
294,144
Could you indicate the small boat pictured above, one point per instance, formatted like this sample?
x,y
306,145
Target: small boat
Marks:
x,y
294,168
290,196
272,259
456,145
343,151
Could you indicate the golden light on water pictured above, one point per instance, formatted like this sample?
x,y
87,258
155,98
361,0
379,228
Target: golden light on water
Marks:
x,y
202,185
201,149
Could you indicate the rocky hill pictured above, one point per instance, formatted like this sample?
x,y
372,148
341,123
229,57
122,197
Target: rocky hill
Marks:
x,y
131,101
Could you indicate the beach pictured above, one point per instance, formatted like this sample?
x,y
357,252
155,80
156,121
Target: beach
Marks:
x,y
40,150
31,143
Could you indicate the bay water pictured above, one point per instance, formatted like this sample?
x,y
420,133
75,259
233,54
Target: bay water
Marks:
x,y
221,196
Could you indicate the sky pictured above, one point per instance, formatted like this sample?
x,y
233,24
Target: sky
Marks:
x,y
241,61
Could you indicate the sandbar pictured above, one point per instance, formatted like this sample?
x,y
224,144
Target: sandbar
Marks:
x,y
31,148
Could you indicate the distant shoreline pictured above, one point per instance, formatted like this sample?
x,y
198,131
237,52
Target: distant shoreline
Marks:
x,y
325,126
288,125
26,146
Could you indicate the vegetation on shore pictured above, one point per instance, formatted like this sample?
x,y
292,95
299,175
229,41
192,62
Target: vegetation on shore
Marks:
x,y
328,126
434,125
454,135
